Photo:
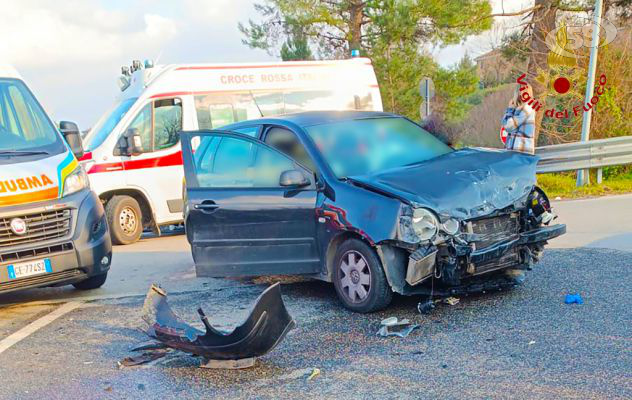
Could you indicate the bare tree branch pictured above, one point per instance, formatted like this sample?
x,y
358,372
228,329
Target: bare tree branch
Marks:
x,y
511,14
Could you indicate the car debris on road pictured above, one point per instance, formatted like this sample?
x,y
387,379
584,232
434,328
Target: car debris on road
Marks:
x,y
144,358
263,330
394,327
426,307
573,299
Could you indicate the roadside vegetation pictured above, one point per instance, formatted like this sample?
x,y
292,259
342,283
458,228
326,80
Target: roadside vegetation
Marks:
x,y
616,180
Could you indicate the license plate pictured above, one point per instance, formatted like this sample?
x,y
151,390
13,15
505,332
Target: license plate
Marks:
x,y
29,268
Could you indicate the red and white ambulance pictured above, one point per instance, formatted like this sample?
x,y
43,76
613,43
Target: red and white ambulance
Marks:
x,y
133,155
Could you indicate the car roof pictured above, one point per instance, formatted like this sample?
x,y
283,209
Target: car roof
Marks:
x,y
310,118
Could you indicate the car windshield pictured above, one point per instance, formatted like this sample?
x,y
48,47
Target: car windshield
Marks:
x,y
364,146
24,127
106,123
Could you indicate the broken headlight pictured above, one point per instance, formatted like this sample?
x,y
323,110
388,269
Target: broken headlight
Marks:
x,y
451,226
425,224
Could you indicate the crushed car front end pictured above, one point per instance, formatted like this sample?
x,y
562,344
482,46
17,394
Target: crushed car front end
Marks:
x,y
463,257
470,221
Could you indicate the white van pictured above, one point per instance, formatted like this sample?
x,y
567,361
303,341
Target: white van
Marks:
x,y
53,229
133,154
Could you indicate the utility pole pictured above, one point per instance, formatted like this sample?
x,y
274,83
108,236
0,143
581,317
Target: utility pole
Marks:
x,y
583,176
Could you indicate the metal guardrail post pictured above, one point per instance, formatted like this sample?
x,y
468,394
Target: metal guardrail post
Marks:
x,y
583,176
599,175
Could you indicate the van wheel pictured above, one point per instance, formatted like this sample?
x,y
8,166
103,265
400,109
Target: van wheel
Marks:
x,y
94,282
359,278
124,219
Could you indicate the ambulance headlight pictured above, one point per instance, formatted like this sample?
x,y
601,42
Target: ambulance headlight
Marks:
x,y
76,181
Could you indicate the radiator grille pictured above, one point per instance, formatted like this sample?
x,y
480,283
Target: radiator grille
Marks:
x,y
74,274
35,252
39,227
488,231
510,259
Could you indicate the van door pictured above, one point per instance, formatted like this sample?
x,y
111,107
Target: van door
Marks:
x,y
239,220
157,171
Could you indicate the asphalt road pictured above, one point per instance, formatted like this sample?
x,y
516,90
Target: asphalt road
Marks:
x,y
522,343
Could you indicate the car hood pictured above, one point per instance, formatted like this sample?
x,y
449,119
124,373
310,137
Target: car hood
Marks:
x,y
463,184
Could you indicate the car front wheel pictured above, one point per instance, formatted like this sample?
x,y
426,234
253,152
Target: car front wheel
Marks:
x,y
359,278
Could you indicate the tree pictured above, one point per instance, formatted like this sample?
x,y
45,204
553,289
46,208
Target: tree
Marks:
x,y
393,33
296,47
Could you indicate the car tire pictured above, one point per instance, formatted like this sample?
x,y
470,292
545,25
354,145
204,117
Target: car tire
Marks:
x,y
125,219
359,278
93,282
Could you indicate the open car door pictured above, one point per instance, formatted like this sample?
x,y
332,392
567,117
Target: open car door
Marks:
x,y
249,209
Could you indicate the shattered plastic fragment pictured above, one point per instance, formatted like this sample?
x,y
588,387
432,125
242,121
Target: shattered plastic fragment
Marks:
x,y
451,300
314,374
426,307
141,359
573,299
265,327
392,327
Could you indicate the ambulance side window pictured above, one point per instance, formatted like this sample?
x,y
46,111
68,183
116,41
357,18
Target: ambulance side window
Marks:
x,y
159,124
142,122
167,123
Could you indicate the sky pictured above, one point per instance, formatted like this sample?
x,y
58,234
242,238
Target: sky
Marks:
x,y
70,52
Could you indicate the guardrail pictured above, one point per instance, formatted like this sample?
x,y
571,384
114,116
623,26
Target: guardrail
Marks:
x,y
583,155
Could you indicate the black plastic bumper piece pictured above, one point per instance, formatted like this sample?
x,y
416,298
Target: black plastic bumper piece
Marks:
x,y
535,236
263,330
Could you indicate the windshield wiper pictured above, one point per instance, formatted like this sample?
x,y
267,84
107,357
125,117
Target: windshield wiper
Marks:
x,y
23,152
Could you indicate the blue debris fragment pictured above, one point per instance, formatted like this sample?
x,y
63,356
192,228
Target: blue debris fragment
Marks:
x,y
575,298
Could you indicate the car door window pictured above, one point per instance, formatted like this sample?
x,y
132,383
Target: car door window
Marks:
x,y
167,123
232,162
248,130
286,142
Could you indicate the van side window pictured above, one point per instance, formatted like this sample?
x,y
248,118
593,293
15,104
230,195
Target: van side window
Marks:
x,y
142,123
215,110
159,124
167,123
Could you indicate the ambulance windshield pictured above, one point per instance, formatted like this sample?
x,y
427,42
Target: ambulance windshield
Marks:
x,y
106,123
25,130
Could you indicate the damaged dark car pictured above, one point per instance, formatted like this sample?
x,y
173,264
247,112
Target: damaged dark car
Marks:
x,y
367,200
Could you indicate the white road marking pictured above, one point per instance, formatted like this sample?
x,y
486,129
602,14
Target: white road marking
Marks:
x,y
34,326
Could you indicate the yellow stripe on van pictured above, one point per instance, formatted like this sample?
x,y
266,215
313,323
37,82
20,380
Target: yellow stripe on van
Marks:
x,y
64,169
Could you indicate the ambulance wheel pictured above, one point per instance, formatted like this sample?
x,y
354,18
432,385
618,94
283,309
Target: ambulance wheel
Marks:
x,y
125,219
93,282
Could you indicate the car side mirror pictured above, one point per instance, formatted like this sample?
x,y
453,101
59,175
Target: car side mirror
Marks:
x,y
293,178
130,144
71,133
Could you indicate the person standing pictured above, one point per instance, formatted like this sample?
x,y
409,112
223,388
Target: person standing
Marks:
x,y
519,121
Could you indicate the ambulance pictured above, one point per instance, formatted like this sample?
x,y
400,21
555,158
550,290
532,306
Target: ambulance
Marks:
x,y
53,229
133,155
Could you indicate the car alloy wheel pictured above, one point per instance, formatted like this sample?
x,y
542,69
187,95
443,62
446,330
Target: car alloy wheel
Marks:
x,y
355,277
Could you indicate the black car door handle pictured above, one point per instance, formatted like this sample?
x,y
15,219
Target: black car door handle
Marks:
x,y
207,205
